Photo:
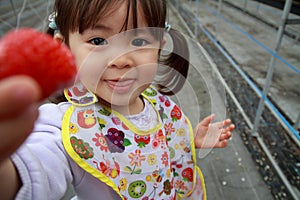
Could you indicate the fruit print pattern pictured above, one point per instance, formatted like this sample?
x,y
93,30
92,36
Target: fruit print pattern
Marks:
x,y
135,162
187,174
159,140
137,189
115,140
79,95
176,113
101,142
73,128
86,118
123,184
156,166
141,140
151,92
108,168
82,148
167,188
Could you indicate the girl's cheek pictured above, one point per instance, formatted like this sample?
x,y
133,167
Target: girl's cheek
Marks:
x,y
91,70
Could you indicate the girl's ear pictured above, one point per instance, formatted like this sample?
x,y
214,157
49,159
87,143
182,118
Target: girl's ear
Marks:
x,y
59,37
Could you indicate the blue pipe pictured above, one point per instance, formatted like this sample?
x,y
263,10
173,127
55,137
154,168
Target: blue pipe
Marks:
x,y
251,83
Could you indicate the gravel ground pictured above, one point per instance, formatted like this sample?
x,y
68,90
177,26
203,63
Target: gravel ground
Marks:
x,y
283,149
231,174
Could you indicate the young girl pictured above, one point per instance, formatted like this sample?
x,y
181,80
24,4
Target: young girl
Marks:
x,y
118,136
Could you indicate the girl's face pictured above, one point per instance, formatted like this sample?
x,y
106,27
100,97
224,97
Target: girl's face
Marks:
x,y
117,66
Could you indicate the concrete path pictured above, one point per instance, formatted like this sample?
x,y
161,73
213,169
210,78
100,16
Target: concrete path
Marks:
x,y
230,173
230,31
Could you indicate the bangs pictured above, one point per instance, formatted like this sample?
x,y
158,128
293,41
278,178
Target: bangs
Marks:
x,y
79,15
87,13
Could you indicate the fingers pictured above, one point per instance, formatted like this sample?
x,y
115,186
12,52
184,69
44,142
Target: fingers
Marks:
x,y
15,130
225,125
18,111
225,135
16,94
226,122
207,120
231,127
226,132
213,135
221,144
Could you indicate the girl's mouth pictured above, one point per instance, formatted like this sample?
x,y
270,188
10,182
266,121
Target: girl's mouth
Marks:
x,y
120,85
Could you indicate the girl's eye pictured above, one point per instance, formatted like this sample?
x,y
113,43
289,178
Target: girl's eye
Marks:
x,y
139,42
98,41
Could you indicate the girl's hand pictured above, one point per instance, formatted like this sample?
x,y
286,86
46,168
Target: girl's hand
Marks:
x,y
213,135
18,112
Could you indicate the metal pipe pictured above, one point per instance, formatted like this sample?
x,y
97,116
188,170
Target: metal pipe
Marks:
x,y
245,5
260,141
220,4
287,8
257,7
297,123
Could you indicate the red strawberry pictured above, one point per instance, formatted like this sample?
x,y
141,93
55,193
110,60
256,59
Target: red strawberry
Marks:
x,y
142,140
187,174
167,103
124,126
29,52
161,98
176,113
115,140
116,120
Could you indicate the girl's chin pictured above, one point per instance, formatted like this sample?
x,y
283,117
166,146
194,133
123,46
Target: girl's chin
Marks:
x,y
124,104
116,100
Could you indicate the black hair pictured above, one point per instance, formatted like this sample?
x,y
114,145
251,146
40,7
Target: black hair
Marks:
x,y
79,15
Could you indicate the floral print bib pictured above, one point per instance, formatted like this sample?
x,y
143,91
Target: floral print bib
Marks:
x,y
159,163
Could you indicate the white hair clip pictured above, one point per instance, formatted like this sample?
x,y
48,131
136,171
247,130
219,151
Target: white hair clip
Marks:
x,y
167,26
51,19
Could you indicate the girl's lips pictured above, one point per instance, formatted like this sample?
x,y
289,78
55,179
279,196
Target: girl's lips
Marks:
x,y
120,85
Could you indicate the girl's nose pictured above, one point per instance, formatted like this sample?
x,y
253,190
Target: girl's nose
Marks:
x,y
122,61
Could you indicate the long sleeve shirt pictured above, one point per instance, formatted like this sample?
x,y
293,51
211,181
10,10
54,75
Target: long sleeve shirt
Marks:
x,y
57,170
